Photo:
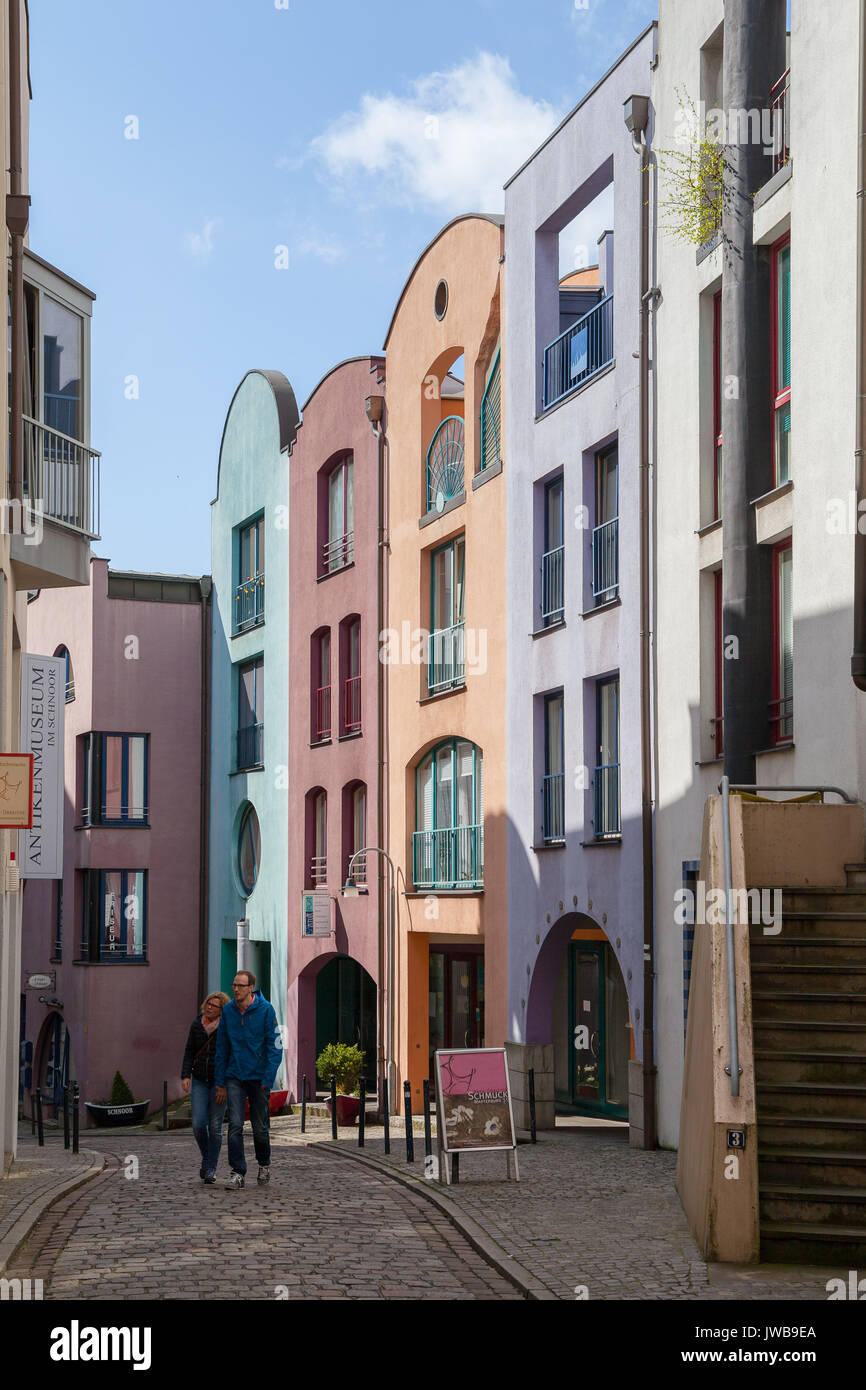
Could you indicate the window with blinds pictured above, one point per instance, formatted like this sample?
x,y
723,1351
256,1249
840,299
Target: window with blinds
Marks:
x,y
491,418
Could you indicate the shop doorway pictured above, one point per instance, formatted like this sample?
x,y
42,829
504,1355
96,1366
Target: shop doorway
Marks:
x,y
55,1069
592,1033
456,1006
346,1011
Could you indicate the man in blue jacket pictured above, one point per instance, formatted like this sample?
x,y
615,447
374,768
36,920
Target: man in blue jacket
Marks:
x,y
247,1057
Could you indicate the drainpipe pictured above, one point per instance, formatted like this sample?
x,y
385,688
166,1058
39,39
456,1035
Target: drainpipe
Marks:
x,y
636,119
858,658
375,410
17,216
205,589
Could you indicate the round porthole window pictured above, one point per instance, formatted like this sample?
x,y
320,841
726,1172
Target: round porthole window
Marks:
x,y
249,849
440,300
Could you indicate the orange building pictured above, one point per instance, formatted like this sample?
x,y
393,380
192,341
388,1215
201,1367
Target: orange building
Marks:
x,y
444,649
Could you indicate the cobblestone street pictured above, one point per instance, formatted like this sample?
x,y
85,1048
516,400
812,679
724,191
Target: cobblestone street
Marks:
x,y
322,1229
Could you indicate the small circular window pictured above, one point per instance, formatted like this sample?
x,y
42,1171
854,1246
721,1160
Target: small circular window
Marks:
x,y
249,849
440,300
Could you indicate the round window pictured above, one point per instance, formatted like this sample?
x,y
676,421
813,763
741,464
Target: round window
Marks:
x,y
249,849
440,300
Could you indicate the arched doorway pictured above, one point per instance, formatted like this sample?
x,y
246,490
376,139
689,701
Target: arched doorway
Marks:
x,y
346,1010
54,1068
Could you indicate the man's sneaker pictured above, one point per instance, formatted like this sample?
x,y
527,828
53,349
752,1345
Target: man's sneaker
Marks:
x,y
209,1178
264,1175
235,1181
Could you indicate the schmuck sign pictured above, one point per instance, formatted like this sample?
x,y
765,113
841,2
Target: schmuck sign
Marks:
x,y
473,1103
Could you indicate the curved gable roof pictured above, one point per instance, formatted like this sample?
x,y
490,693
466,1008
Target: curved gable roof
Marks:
x,y
288,416
496,218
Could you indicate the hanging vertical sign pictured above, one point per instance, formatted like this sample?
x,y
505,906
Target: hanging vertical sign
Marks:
x,y
43,706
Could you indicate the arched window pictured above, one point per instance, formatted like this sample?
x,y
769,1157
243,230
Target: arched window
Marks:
x,y
316,836
69,677
320,685
448,843
338,546
350,670
354,832
249,848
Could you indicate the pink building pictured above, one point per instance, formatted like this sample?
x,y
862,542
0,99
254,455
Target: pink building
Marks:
x,y
334,719
125,928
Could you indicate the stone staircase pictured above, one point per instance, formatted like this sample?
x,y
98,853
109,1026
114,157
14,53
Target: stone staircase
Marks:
x,y
809,1033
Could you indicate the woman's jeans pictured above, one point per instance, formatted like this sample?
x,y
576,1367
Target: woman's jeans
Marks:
x,y
207,1123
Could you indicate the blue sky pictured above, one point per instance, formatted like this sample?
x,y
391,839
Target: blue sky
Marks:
x,y
347,134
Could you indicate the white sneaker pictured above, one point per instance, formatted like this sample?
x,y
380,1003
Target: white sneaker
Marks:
x,y
235,1181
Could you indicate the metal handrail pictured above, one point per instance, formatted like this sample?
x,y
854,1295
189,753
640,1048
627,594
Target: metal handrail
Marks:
x,y
552,589
726,787
577,353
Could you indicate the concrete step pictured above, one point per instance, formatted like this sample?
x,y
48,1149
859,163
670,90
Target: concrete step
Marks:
x,y
825,1006
828,1068
838,1102
784,1130
808,950
805,1167
839,979
789,1203
822,922
843,899
803,1035
813,1243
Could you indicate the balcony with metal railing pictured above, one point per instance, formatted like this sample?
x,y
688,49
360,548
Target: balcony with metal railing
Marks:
x,y
605,561
352,705
322,726
250,744
61,477
553,808
575,356
780,120
249,604
552,586
338,552
606,814
446,659
451,858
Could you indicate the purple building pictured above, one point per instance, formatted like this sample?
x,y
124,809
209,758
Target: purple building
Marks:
x,y
124,930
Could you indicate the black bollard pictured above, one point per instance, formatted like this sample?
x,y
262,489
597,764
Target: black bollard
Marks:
x,y
428,1138
32,1114
66,1117
455,1168
362,1113
39,1130
333,1106
385,1115
304,1104
165,1105
532,1103
407,1110
76,1101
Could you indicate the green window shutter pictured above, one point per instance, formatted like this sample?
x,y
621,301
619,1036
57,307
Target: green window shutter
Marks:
x,y
491,416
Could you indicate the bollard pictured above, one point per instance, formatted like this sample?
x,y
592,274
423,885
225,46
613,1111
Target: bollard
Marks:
x,y
532,1103
32,1114
455,1168
386,1116
333,1106
76,1101
362,1113
66,1117
41,1140
165,1105
407,1110
304,1104
428,1138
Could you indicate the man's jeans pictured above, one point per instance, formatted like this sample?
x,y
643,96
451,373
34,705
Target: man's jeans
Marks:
x,y
238,1092
207,1123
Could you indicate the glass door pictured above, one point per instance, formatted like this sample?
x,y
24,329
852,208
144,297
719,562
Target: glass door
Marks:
x,y
456,1008
598,1031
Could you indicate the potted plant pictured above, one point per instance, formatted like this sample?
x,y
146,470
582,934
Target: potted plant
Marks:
x,y
121,1107
345,1062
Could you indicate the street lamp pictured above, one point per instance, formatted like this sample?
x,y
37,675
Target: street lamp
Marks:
x,y
350,890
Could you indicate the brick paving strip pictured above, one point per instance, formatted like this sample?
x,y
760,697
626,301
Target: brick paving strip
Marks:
x,y
589,1213
37,1179
317,1231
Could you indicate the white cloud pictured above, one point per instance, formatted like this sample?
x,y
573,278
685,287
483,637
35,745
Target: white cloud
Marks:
x,y
448,145
325,248
200,244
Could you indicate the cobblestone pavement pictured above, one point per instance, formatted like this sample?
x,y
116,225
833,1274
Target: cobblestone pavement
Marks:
x,y
36,1174
322,1229
591,1211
